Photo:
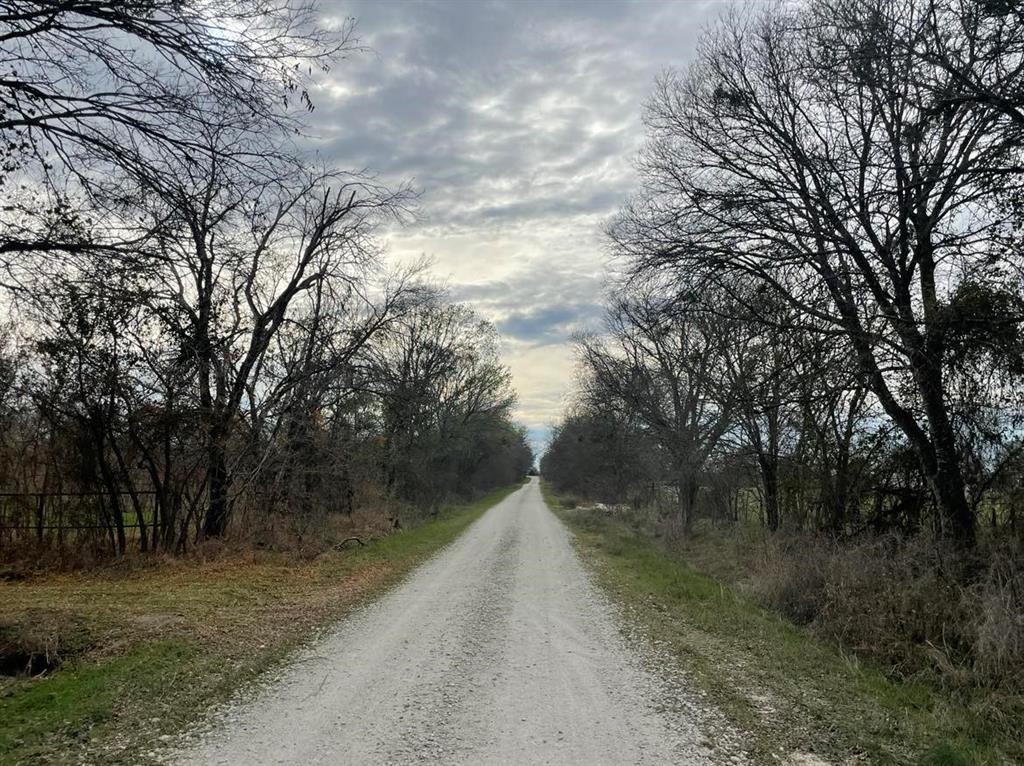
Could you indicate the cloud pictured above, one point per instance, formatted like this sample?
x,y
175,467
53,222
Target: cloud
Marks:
x,y
545,325
519,121
544,374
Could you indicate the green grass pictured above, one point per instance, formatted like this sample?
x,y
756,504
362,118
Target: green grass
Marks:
x,y
41,721
788,690
151,650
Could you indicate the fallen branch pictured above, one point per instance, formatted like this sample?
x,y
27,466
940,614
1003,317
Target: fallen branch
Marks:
x,y
341,545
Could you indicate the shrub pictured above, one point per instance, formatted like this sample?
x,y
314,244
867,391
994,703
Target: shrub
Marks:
x,y
917,605
998,641
901,603
790,576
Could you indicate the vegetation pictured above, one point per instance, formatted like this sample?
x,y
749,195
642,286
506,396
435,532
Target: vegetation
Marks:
x,y
810,379
224,419
790,692
146,646
813,354
204,341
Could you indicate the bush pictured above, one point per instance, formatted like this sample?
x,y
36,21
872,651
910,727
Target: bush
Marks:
x,y
901,603
998,641
917,605
791,576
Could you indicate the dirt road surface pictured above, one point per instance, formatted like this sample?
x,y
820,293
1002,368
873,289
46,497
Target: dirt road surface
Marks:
x,y
498,651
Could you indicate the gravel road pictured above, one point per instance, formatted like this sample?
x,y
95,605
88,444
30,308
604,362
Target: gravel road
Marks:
x,y
497,651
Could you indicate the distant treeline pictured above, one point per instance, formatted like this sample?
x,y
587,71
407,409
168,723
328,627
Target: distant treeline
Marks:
x,y
201,330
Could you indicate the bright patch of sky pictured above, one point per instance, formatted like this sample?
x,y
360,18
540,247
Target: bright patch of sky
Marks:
x,y
519,122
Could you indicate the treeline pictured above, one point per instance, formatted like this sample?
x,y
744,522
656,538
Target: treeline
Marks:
x,y
202,332
810,379
820,323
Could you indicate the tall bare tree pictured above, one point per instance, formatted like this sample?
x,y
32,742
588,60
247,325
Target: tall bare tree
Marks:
x,y
94,88
807,149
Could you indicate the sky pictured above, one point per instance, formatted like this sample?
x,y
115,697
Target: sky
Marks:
x,y
519,123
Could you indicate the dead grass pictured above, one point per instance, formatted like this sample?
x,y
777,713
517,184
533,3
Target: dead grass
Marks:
x,y
922,608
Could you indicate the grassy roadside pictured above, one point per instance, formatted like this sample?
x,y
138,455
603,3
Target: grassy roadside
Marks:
x,y
150,651
795,695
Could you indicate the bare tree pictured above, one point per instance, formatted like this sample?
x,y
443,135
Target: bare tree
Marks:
x,y
92,89
443,395
599,454
661,365
231,251
804,150
976,50
202,307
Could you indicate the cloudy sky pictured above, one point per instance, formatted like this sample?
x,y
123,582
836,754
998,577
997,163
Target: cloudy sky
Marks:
x,y
518,121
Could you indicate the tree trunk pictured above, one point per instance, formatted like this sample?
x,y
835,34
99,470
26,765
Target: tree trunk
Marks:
x,y
935,449
41,514
687,498
942,463
347,491
216,522
110,484
140,517
840,499
770,483
947,486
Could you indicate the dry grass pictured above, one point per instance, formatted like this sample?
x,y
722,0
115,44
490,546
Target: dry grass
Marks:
x,y
188,629
921,608
924,612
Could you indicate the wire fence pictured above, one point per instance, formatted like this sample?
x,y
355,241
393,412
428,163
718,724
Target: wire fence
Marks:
x,y
74,518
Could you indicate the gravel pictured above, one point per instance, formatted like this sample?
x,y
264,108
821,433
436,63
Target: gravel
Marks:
x,y
499,650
